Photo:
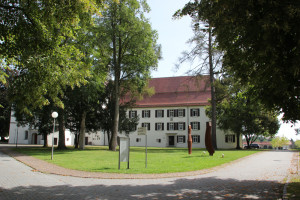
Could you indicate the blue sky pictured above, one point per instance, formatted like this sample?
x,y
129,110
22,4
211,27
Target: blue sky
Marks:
x,y
173,35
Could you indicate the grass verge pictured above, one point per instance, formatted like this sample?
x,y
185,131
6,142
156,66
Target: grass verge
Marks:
x,y
293,189
159,160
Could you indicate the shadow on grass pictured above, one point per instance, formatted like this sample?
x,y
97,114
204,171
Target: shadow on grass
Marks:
x,y
184,188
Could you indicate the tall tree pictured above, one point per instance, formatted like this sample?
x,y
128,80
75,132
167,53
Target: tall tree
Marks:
x,y
208,58
133,49
261,44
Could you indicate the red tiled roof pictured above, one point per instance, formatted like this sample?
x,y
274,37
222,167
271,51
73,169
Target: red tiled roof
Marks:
x,y
178,91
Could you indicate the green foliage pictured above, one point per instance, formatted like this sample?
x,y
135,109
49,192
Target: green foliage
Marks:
x,y
130,48
239,111
279,142
297,143
261,44
37,41
99,159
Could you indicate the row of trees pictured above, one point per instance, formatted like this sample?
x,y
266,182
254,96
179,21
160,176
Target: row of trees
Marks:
x,y
78,57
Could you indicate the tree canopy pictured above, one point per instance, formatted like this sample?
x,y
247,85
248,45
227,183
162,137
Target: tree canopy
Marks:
x,y
37,41
260,40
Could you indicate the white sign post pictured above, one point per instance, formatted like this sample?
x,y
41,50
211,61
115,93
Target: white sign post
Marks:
x,y
143,131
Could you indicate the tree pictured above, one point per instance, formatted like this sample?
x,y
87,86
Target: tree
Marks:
x,y
206,54
279,141
241,113
133,49
103,117
261,44
297,143
5,110
36,41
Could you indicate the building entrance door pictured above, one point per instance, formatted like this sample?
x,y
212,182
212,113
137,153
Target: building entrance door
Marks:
x,y
171,140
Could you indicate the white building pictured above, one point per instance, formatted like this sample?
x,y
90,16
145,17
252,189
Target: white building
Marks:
x,y
177,103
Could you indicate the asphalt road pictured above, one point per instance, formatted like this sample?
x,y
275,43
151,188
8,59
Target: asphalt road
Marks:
x,y
259,176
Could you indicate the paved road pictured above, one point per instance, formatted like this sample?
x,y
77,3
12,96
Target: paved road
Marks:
x,y
256,177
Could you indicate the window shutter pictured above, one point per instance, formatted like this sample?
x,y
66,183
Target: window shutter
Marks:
x,y
155,113
198,125
135,113
176,113
184,126
148,126
167,126
130,114
183,112
143,124
162,126
156,126
198,112
149,113
184,139
226,138
234,138
143,113
163,113
175,126
168,113
191,112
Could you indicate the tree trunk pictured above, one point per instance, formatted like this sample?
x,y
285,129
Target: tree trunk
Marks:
x,y
82,131
238,141
45,140
113,141
213,95
61,129
76,140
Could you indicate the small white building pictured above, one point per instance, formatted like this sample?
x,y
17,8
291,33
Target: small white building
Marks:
x,y
177,103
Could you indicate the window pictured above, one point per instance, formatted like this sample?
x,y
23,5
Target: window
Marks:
x,y
195,112
195,125
230,138
159,113
196,138
181,126
26,135
181,112
147,125
171,126
171,113
159,126
158,140
145,113
181,139
138,139
132,114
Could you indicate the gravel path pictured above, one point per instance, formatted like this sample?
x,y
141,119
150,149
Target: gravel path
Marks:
x,y
259,176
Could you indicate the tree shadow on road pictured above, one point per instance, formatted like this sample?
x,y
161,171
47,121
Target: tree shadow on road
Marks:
x,y
184,188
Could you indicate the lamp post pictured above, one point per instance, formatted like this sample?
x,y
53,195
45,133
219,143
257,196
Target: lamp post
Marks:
x,y
54,116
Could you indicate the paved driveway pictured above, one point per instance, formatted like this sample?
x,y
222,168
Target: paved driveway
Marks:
x,y
255,177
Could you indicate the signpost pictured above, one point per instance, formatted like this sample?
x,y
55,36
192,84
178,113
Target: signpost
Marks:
x,y
143,131
124,150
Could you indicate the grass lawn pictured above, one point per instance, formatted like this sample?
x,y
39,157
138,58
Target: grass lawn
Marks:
x,y
160,160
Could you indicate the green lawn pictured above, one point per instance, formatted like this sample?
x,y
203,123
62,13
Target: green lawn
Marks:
x,y
160,160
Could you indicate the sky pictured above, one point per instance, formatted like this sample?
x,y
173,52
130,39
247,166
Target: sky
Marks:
x,y
173,35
